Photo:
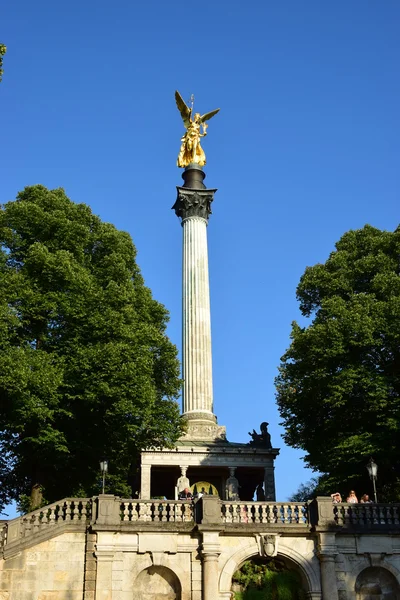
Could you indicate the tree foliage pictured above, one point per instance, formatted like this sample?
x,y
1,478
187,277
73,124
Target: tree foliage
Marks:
x,y
86,369
306,491
272,579
3,50
339,382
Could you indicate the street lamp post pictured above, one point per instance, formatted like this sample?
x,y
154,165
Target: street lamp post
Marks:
x,y
104,469
372,469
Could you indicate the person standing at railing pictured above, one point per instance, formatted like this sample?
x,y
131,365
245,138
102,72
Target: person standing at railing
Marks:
x,y
185,495
365,499
352,498
336,498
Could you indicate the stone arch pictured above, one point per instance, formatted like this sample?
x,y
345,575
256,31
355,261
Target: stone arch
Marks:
x,y
365,564
157,582
308,571
377,583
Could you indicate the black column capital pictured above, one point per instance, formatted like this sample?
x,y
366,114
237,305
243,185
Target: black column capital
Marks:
x,y
193,203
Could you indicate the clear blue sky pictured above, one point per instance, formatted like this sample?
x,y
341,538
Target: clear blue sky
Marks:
x,y
306,147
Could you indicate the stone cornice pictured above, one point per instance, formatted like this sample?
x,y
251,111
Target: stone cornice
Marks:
x,y
208,450
195,457
193,203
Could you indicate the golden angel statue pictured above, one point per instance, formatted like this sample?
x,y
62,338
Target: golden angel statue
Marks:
x,y
191,150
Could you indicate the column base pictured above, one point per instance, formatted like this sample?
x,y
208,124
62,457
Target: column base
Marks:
x,y
203,429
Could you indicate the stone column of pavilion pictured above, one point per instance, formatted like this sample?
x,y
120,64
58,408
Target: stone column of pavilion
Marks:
x,y
193,206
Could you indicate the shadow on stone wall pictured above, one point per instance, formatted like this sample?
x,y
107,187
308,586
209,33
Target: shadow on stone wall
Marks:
x,y
157,583
376,583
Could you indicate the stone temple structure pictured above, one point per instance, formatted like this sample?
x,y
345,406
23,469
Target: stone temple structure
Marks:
x,y
157,547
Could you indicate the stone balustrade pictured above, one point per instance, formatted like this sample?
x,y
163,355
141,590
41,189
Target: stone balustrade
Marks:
x,y
280,513
68,511
366,515
110,511
164,511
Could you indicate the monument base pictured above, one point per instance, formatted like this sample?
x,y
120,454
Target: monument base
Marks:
x,y
204,430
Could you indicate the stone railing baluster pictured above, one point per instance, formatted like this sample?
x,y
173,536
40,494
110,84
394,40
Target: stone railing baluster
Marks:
x,y
75,511
264,516
134,511
270,513
34,524
67,510
243,514
235,513
156,511
188,512
126,511
374,515
83,511
142,511
285,514
52,515
175,512
227,512
181,512
347,515
164,512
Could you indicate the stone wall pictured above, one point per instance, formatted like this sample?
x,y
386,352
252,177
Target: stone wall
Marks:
x,y
50,570
111,549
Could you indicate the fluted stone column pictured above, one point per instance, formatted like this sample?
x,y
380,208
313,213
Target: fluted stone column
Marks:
x,y
193,206
326,553
145,491
210,553
197,368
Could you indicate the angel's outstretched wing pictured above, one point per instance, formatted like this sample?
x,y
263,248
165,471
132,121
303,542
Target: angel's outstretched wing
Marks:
x,y
209,115
183,109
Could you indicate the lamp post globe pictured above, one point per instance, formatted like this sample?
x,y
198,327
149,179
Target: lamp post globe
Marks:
x,y
104,470
372,469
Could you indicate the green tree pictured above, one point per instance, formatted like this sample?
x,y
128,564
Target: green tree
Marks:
x,y
86,369
271,579
339,382
3,50
306,491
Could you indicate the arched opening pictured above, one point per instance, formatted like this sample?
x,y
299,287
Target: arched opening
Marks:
x,y
157,583
376,583
261,578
